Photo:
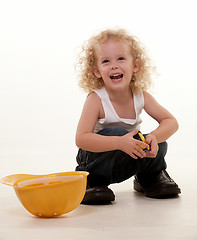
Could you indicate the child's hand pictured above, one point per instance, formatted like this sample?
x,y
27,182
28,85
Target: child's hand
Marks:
x,y
131,146
152,142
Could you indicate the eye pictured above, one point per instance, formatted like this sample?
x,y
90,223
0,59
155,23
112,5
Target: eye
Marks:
x,y
105,61
121,58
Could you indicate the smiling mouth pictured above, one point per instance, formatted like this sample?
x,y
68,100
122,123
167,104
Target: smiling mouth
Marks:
x,y
116,77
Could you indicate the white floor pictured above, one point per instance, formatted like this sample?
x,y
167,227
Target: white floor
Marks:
x,y
132,216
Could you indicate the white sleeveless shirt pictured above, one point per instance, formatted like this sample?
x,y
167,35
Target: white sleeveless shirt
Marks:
x,y
111,117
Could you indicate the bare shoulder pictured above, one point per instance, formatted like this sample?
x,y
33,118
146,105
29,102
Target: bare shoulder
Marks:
x,y
154,109
93,106
93,97
93,101
148,98
90,114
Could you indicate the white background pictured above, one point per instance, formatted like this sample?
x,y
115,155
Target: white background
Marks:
x,y
40,102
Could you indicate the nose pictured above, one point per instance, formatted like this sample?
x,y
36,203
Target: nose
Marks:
x,y
114,66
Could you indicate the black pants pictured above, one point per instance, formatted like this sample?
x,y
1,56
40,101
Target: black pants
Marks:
x,y
116,166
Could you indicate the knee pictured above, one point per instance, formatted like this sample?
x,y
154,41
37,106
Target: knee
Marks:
x,y
113,131
163,148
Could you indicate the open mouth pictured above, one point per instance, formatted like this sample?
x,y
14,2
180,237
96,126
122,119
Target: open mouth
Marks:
x,y
116,77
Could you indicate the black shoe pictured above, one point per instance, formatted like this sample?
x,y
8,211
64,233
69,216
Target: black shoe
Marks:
x,y
161,186
98,196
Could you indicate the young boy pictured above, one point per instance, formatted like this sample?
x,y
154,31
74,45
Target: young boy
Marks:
x,y
116,73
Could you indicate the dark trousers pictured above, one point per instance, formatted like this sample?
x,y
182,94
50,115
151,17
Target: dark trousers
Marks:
x,y
116,166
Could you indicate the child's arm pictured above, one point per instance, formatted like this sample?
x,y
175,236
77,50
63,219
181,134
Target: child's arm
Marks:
x,y
90,141
168,125
85,137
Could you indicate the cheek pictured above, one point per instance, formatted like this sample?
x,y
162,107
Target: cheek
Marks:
x,y
103,70
129,68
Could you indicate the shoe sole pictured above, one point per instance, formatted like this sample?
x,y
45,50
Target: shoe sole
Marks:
x,y
157,193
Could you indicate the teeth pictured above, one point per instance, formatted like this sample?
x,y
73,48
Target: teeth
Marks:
x,y
116,76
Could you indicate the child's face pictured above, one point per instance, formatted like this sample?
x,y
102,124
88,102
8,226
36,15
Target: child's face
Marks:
x,y
115,64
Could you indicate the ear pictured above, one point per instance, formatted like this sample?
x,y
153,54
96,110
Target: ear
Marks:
x,y
136,65
96,72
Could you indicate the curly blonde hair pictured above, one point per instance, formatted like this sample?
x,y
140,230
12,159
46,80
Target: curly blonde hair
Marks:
x,y
140,81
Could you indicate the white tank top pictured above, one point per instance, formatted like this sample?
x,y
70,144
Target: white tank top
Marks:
x,y
111,117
